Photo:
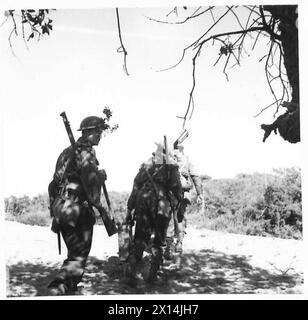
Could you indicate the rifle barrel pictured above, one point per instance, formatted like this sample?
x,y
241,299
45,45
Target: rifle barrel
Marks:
x,y
68,128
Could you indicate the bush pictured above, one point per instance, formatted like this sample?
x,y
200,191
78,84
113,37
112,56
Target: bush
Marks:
x,y
257,204
35,218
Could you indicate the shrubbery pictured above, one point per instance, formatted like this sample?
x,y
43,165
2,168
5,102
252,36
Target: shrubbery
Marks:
x,y
33,218
257,204
28,211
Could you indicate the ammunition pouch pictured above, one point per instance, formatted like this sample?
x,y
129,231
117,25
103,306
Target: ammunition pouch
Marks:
x,y
67,209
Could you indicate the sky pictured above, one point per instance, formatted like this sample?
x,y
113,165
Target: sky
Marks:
x,y
77,69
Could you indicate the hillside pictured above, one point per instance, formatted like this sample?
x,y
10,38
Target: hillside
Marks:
x,y
213,263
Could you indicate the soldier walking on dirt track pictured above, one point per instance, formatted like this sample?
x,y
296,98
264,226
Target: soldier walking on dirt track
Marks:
x,y
156,192
190,179
75,188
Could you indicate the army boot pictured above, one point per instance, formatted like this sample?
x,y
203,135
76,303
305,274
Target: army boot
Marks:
x,y
72,286
129,270
59,290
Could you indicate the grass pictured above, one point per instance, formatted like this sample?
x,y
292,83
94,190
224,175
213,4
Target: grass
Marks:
x,y
33,218
234,223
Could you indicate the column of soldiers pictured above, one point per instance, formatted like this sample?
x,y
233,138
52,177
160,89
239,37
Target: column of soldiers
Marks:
x,y
159,199
157,205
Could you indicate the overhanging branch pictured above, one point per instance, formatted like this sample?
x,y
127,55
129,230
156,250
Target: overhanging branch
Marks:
x,y
121,49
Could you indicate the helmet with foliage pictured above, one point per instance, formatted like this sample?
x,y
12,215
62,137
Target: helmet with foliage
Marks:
x,y
92,122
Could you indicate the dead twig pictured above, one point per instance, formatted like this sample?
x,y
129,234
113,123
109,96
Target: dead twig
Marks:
x,y
121,49
192,16
191,100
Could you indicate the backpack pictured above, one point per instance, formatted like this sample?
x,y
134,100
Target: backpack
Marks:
x,y
57,185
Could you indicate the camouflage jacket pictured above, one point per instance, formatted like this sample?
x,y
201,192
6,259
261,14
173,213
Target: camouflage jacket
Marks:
x,y
77,172
164,179
189,176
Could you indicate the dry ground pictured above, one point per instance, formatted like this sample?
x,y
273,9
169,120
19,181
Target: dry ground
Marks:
x,y
213,263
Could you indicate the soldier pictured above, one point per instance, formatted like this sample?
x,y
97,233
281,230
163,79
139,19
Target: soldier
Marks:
x,y
75,188
189,180
156,192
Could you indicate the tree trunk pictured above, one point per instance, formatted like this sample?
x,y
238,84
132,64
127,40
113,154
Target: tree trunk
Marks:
x,y
288,124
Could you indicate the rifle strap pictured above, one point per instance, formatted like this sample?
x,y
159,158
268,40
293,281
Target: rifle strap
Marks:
x,y
152,183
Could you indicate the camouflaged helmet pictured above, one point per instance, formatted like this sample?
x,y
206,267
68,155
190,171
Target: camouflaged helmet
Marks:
x,y
159,154
92,122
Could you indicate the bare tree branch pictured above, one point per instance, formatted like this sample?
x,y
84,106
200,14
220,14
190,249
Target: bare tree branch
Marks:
x,y
121,49
212,26
252,9
257,37
233,47
249,17
14,30
195,42
14,22
237,19
192,16
279,100
23,36
190,101
4,21
229,34
226,64
212,15
173,10
267,26
10,43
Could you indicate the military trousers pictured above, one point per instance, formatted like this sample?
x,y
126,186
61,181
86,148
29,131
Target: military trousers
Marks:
x,y
149,222
78,241
178,222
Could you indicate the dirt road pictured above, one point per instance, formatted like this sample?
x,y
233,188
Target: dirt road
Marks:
x,y
213,263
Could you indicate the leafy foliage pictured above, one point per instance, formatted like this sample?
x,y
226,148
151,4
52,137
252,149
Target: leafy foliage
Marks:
x,y
28,211
18,206
107,116
256,204
34,23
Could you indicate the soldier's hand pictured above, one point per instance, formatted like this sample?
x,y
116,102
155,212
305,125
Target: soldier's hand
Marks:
x,y
103,175
200,200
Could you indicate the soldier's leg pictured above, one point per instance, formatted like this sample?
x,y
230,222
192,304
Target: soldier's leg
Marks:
x,y
181,231
160,226
180,227
141,241
170,246
78,241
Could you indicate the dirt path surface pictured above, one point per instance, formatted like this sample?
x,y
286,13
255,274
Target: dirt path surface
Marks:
x,y
213,263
